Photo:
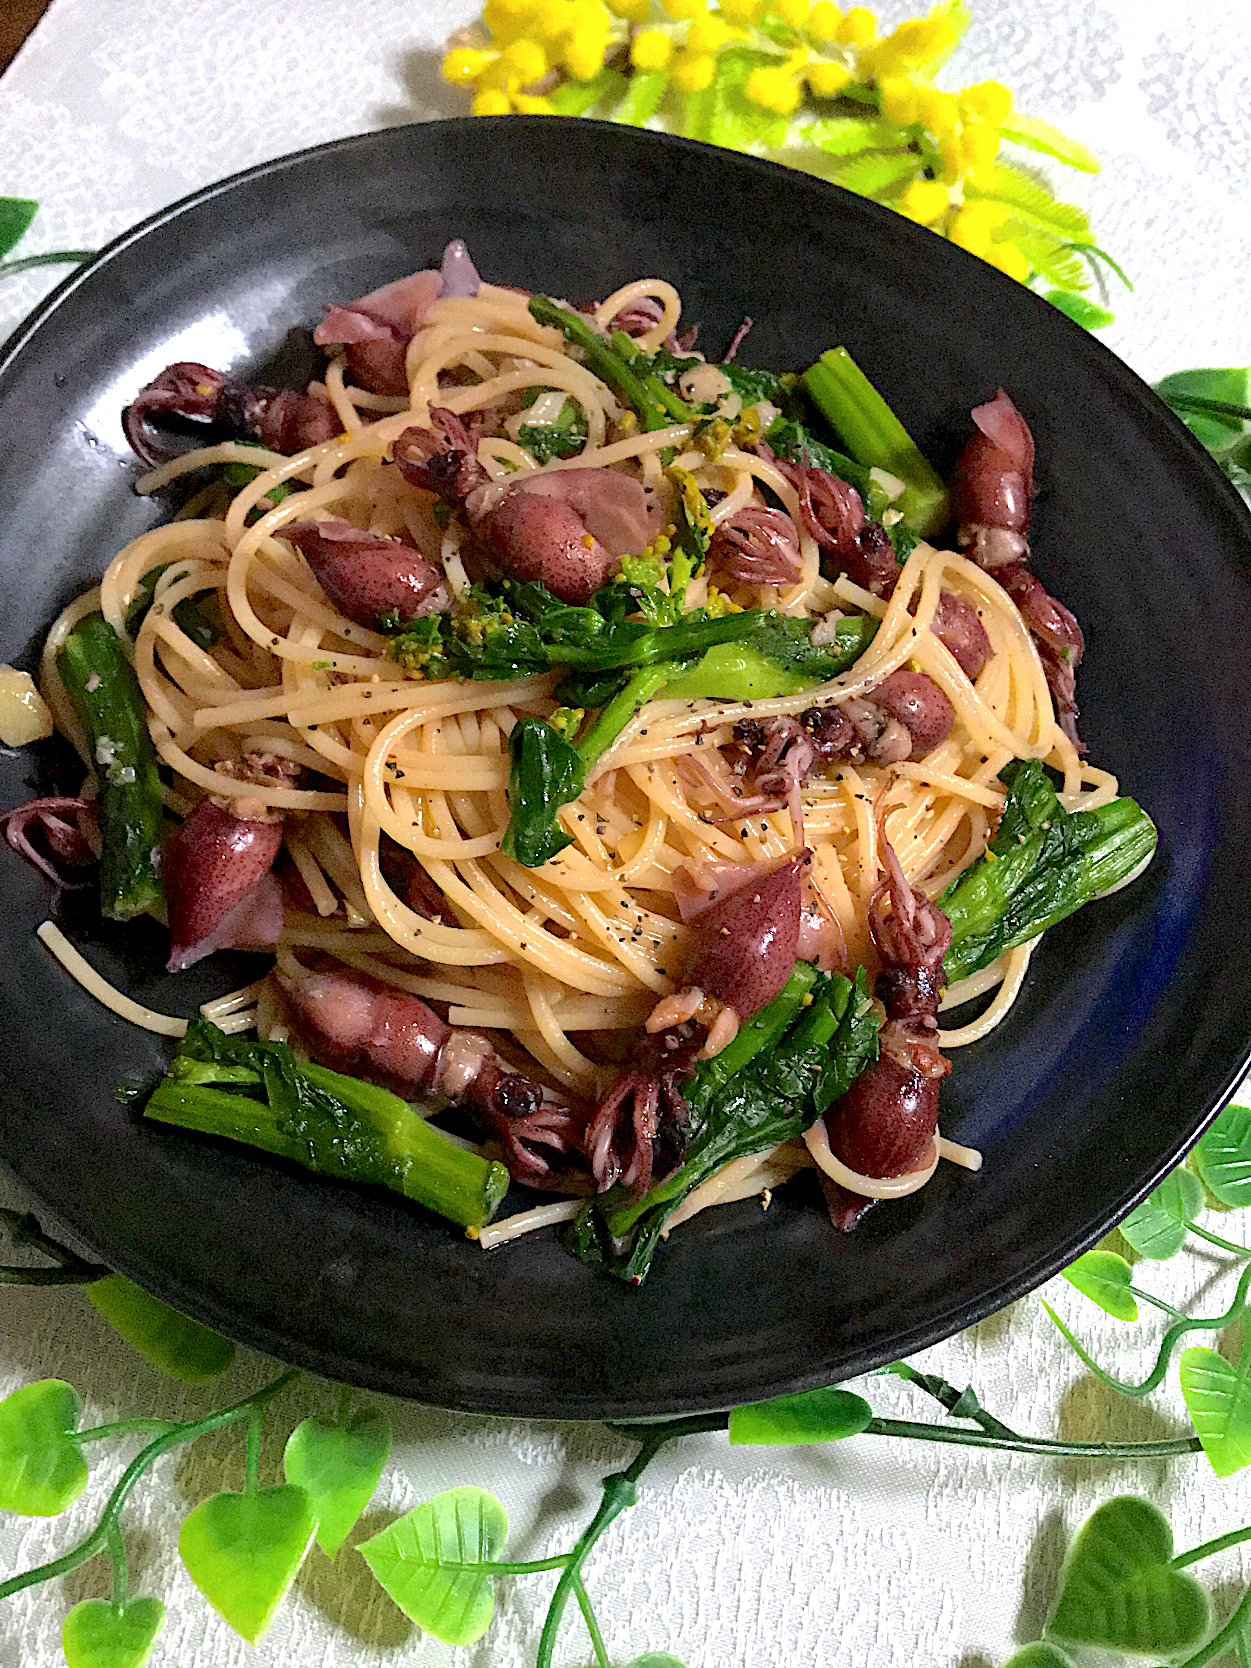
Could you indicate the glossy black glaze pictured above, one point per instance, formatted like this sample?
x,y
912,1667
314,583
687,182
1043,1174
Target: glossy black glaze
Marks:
x,y
1134,1022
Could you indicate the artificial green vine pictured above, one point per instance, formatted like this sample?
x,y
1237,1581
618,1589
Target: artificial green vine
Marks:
x,y
16,214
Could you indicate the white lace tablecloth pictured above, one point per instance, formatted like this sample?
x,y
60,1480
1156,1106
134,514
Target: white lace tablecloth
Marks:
x,y
868,1554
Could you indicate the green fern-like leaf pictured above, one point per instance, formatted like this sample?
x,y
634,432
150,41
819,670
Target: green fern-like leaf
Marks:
x,y
1026,192
1041,136
848,135
876,171
1047,254
641,100
723,115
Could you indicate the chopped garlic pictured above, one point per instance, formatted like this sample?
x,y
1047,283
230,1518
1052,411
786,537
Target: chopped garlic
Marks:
x,y
24,714
890,484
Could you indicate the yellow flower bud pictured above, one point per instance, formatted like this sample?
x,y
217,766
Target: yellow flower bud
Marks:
x,y
823,21
900,101
988,101
971,229
707,34
828,80
633,11
694,71
953,161
794,12
507,19
465,66
524,61
584,51
491,103
531,105
651,50
924,201
858,27
682,9
741,11
1009,259
774,89
979,145
938,112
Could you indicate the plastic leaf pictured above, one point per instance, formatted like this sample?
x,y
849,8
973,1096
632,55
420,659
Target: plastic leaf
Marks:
x,y
41,1468
816,1416
339,1466
242,1552
97,1636
175,1343
875,171
1082,311
16,214
1119,1589
1041,1654
1219,1399
427,1561
1022,190
1041,136
1157,1228
1104,1278
1223,1156
656,1659
846,135
643,94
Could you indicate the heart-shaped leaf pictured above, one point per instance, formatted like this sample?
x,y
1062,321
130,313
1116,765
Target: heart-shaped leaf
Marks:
x,y
97,1636
1119,1588
656,1659
16,214
41,1468
1157,1228
1223,1156
1041,1654
429,1562
815,1416
339,1466
1219,1399
173,1342
1104,1278
242,1552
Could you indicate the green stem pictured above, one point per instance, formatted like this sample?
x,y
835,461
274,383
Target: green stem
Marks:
x,y
642,687
1209,1549
601,360
1032,1444
1167,1344
592,1625
1196,405
117,1565
1155,1302
98,1539
82,1274
619,1492
951,1398
1215,1239
23,1229
1226,1637
53,257
252,1476
123,1427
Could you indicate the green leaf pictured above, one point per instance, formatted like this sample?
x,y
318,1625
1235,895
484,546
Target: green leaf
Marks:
x,y
1219,1399
16,214
1118,1587
1157,1228
41,1468
429,1562
1041,136
175,1343
846,135
1048,253
1025,191
1104,1278
242,1552
97,1636
1223,1156
874,171
642,98
1076,307
656,1659
579,98
723,115
338,1465
817,1416
1040,1654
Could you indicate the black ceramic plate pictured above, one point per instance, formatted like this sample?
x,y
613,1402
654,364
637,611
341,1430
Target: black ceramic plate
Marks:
x,y
1135,1019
